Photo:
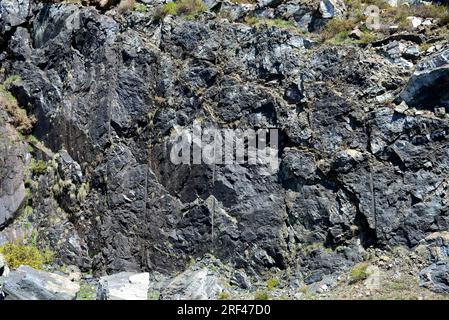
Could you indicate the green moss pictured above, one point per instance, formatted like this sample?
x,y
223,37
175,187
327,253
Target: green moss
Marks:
x,y
359,273
11,79
261,295
272,283
186,8
224,295
32,139
87,292
153,295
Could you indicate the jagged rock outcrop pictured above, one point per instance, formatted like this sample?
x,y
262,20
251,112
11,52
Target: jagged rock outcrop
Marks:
x,y
436,277
428,86
108,92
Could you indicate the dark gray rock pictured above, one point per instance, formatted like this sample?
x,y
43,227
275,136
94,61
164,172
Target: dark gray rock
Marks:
x,y
435,277
427,87
26,283
14,13
12,170
112,91
242,280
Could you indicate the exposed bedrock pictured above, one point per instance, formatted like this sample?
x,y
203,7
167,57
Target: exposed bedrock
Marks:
x,y
110,93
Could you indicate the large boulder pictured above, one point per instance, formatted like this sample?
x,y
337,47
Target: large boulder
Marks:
x,y
124,286
26,283
428,86
199,284
436,277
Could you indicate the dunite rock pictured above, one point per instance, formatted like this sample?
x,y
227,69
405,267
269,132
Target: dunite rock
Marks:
x,y
109,92
26,283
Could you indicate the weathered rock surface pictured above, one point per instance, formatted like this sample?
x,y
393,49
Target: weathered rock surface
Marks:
x,y
108,92
12,170
427,87
26,283
199,284
124,286
436,277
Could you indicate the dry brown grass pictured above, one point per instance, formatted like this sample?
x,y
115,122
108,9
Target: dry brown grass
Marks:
x,y
19,117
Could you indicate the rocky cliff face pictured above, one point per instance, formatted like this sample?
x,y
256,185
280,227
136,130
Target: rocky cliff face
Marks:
x,y
364,152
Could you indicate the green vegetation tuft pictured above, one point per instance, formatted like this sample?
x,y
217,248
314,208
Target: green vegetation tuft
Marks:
x,y
278,23
224,295
38,167
19,116
140,7
359,273
188,8
87,292
17,255
272,283
261,295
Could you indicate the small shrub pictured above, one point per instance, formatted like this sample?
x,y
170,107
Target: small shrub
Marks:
x,y
38,167
17,255
261,295
224,295
278,23
19,116
183,8
435,11
338,30
359,273
367,37
87,292
140,7
169,9
83,192
272,283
